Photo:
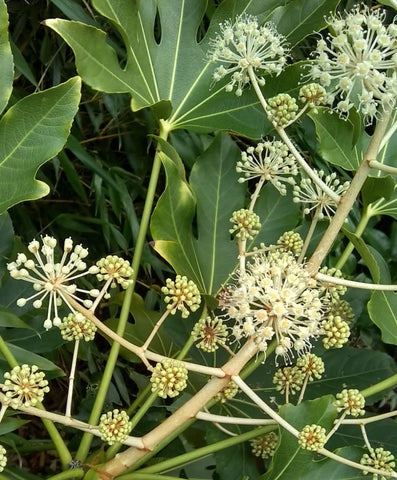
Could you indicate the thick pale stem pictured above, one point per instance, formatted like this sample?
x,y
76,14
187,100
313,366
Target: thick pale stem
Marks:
x,y
210,417
68,412
347,201
383,167
138,351
101,294
185,413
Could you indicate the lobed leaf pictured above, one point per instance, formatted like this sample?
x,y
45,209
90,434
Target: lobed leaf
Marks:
x,y
32,132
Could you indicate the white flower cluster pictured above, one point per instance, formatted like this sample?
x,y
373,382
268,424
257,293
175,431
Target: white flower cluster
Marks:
x,y
269,161
276,298
244,44
50,278
357,64
314,198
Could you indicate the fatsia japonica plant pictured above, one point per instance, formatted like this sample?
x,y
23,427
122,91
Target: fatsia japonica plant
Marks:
x,y
263,346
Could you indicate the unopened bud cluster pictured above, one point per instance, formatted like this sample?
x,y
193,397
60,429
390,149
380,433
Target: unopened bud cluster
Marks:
x,y
227,393
311,366
334,291
350,401
381,460
336,332
288,379
282,109
291,242
115,268
114,426
24,386
211,332
3,458
246,224
313,94
312,437
77,327
169,378
341,308
265,446
181,295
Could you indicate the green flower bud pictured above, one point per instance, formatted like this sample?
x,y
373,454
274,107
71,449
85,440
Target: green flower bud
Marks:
x,y
311,366
291,242
265,446
115,268
282,109
24,386
380,459
180,294
312,437
246,224
350,401
288,378
227,392
211,332
336,332
169,378
77,327
114,426
313,94
3,458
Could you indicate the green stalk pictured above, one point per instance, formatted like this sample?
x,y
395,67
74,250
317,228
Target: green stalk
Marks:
x,y
85,444
198,453
390,382
60,446
73,473
149,476
362,224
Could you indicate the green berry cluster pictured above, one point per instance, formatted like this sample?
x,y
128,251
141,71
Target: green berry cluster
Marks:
x,y
311,366
313,94
288,379
246,224
180,294
227,392
77,327
291,242
342,309
3,458
350,401
265,446
380,459
24,386
116,268
114,426
336,332
312,437
282,109
211,332
169,378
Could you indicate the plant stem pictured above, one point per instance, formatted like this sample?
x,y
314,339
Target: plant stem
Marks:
x,y
362,224
352,284
85,444
348,199
148,476
383,167
309,235
68,412
8,356
207,450
73,473
156,327
390,382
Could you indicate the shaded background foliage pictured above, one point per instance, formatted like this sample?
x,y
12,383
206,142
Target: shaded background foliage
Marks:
x,y
98,185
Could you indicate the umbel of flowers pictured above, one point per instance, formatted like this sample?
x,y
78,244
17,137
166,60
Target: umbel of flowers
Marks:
x,y
357,61
114,426
276,298
245,45
54,279
24,386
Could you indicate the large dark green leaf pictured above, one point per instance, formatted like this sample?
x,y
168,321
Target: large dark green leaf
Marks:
x,y
382,309
300,18
31,132
336,137
214,193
